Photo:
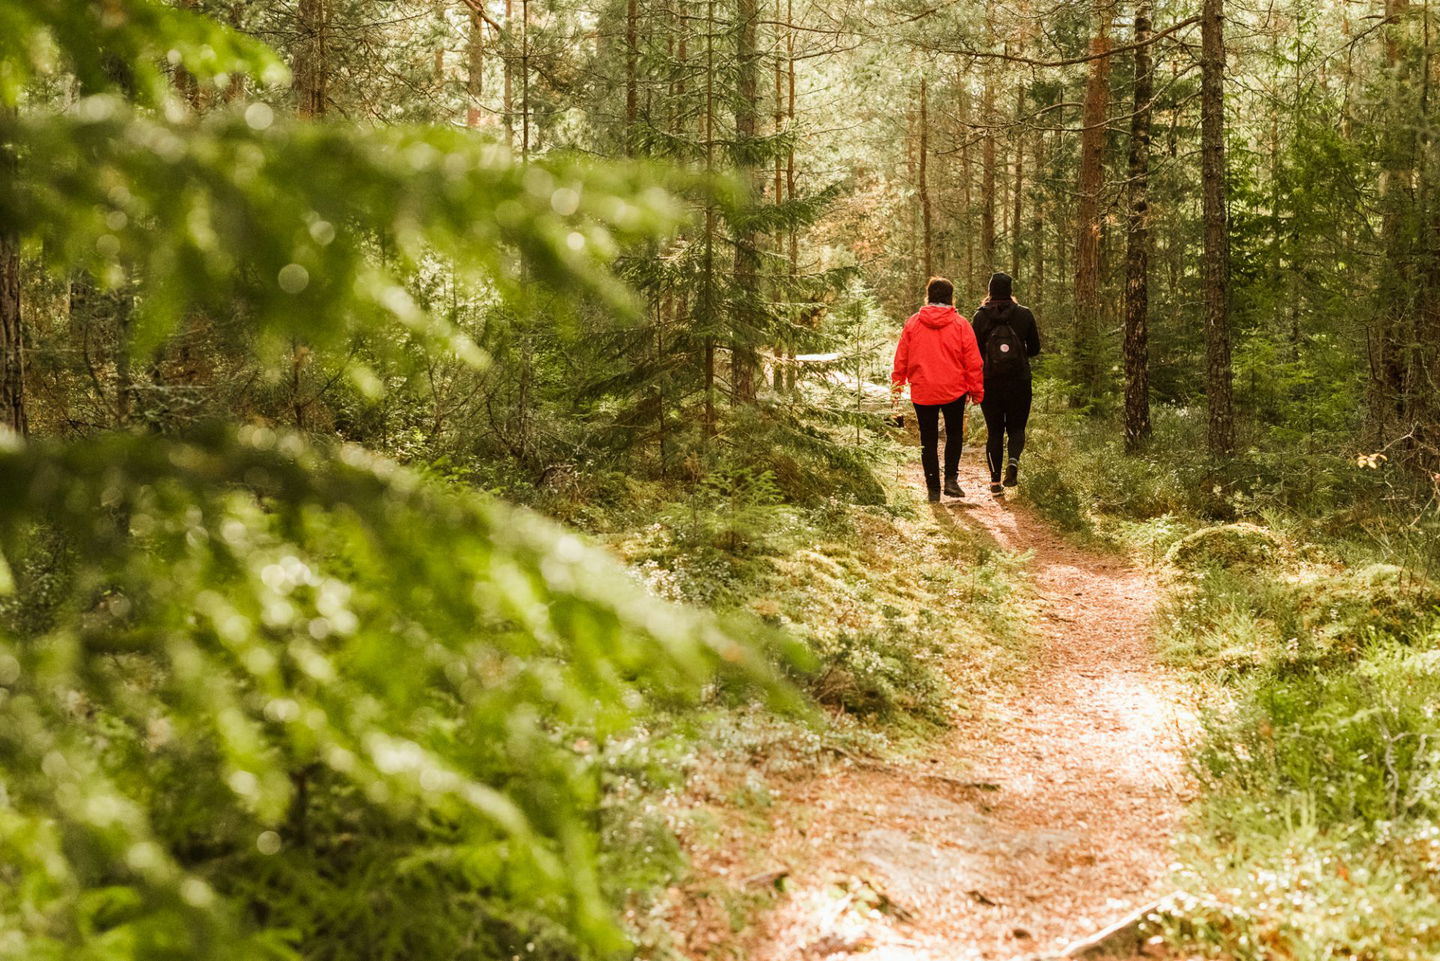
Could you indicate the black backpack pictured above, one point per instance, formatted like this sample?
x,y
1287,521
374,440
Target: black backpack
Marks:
x,y
1004,351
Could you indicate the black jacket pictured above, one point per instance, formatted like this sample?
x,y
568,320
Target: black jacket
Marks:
x,y
1020,320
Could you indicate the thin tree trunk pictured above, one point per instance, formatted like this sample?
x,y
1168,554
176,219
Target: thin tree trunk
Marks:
x,y
708,284
1386,341
794,252
966,177
475,71
507,103
747,257
1018,197
927,252
1087,347
1137,246
12,330
1220,415
312,66
1037,224
987,176
632,71
784,341
525,79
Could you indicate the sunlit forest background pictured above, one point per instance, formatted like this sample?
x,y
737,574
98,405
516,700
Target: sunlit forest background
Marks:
x,y
418,411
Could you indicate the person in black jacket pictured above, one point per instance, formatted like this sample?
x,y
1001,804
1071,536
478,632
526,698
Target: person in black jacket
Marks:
x,y
1007,336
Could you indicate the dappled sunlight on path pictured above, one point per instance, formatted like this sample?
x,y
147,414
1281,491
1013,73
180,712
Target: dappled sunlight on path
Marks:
x,y
1044,815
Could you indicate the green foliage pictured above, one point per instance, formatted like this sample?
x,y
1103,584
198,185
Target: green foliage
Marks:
x,y
732,510
282,222
299,701
123,45
1226,545
1320,810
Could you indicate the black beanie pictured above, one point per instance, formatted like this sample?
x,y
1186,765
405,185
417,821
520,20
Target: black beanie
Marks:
x,y
1000,287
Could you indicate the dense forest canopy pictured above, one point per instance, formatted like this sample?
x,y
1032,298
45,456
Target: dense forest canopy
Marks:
x,y
868,145
295,295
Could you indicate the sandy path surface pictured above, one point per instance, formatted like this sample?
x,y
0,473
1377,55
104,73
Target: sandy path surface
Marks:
x,y
1045,816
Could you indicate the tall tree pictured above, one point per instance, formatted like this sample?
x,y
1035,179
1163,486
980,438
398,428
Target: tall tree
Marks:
x,y
312,58
1090,183
1215,275
928,249
1137,246
12,340
987,174
475,68
1387,339
632,70
743,358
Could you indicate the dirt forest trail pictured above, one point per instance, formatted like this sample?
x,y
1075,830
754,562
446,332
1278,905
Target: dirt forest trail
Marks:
x,y
1044,815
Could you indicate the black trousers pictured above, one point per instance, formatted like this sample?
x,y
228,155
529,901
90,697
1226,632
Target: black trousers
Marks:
x,y
1006,408
927,416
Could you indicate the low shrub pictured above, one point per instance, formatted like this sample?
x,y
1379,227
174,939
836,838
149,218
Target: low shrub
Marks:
x,y
1226,545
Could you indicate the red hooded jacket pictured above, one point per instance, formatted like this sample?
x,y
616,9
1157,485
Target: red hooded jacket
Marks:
x,y
938,356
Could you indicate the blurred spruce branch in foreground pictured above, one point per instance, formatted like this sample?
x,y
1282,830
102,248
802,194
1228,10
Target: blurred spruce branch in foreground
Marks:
x,y
265,699
241,673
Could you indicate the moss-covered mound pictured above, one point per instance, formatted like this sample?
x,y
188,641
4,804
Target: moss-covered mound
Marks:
x,y
1226,545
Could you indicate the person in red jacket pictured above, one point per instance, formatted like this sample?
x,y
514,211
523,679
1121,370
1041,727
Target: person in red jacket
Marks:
x,y
937,356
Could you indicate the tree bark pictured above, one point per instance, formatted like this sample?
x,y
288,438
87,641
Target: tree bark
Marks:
x,y
1220,414
632,69
1018,197
1038,213
507,103
1090,181
475,70
707,287
743,361
525,79
12,330
312,66
1386,338
966,178
987,176
1137,245
927,252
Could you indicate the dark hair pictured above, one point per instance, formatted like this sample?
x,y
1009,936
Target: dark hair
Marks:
x,y
940,291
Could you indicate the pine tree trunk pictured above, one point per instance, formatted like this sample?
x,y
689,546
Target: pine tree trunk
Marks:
x,y
743,361
507,103
1087,348
475,71
1017,216
708,291
794,253
1038,214
987,177
312,67
927,252
12,331
966,178
1386,340
1137,245
525,79
1220,414
784,340
632,71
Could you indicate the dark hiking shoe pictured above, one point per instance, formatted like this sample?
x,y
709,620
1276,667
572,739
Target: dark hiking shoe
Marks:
x,y
995,488
933,496
1012,475
952,488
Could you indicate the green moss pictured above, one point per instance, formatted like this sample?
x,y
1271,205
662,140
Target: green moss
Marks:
x,y
1225,545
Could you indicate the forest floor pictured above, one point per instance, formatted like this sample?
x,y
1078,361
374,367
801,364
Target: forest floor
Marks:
x,y
1043,813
